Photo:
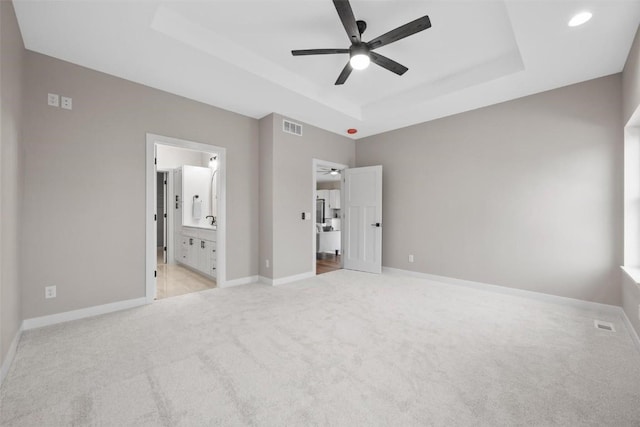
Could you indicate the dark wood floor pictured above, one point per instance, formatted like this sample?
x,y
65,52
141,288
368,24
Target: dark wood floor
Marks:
x,y
327,262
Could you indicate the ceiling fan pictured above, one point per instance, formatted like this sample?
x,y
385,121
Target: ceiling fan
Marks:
x,y
329,171
362,53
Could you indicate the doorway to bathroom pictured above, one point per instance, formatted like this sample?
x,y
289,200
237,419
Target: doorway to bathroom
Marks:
x,y
327,184
186,217
161,217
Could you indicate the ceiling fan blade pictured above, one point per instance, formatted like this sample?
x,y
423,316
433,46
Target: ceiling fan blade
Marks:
x,y
387,63
399,33
348,20
318,51
344,74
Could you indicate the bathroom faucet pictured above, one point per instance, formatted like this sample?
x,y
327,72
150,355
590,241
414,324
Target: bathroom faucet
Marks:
x,y
213,219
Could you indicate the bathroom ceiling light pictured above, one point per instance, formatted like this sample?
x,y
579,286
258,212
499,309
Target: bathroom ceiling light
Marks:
x,y
580,18
334,172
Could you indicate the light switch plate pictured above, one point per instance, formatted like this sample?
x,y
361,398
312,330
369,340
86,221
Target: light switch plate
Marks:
x,y
66,103
53,100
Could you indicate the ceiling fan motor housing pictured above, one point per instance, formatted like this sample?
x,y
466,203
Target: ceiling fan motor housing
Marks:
x,y
358,49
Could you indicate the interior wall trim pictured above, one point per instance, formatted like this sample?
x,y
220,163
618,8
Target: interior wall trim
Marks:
x,y
287,279
11,354
241,281
53,319
611,310
630,329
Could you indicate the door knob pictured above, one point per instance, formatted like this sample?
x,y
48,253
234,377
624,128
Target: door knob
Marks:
x,y
377,224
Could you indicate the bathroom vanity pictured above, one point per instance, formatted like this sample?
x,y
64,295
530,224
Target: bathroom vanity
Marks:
x,y
195,235
197,249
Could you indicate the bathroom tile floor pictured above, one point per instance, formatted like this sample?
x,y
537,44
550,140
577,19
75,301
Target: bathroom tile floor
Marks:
x,y
173,280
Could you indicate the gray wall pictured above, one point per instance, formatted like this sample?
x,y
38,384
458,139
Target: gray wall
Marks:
x,y
293,193
329,185
266,196
85,183
631,102
525,194
11,161
631,79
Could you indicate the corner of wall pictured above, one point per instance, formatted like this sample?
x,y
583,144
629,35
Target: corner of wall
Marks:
x,y
12,56
265,191
631,79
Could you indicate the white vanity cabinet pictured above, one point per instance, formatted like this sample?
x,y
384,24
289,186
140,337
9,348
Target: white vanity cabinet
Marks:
x,y
198,250
213,260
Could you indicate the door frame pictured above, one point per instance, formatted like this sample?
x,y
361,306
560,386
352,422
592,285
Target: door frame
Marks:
x,y
315,163
150,224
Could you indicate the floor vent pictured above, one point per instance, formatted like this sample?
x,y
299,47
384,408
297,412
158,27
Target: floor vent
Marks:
x,y
291,127
607,326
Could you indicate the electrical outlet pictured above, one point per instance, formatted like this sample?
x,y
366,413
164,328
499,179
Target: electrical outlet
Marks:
x,y
53,100
267,263
66,103
410,258
50,292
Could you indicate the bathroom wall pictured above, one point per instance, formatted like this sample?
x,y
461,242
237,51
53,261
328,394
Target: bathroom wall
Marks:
x,y
196,181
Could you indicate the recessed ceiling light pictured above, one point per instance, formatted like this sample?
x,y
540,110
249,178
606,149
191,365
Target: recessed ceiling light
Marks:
x,y
580,18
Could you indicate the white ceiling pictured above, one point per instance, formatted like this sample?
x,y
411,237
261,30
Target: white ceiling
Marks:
x,y
236,54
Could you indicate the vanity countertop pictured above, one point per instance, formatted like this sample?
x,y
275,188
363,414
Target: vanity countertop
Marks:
x,y
199,232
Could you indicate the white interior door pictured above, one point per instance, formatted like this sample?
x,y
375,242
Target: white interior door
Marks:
x,y
363,219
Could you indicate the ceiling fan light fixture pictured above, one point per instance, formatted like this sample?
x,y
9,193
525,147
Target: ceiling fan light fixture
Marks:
x,y
580,18
333,172
360,61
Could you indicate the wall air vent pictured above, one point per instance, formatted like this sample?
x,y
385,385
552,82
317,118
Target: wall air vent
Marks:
x,y
291,127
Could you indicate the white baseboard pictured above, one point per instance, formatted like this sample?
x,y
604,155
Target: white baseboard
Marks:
x,y
630,328
11,354
265,280
240,281
38,322
611,309
288,279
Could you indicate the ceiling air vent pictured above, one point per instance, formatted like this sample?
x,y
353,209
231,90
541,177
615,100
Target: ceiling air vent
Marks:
x,y
290,127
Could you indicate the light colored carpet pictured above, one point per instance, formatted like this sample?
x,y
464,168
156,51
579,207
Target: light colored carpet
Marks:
x,y
343,349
